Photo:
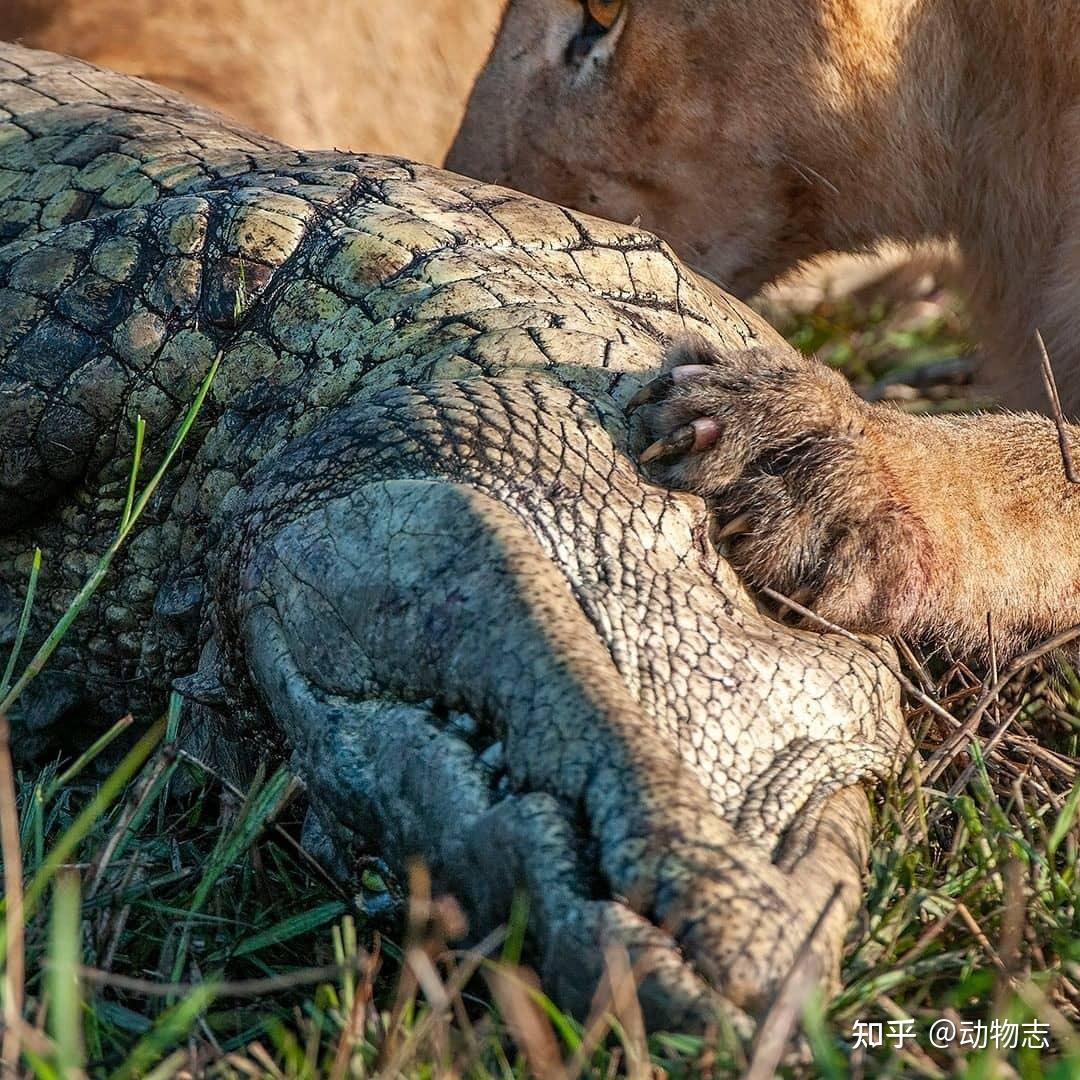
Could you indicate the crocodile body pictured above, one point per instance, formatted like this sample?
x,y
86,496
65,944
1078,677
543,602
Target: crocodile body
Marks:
x,y
405,542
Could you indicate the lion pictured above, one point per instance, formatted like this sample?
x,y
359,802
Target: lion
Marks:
x,y
379,76
755,135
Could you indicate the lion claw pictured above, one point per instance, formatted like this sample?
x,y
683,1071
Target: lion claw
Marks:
x,y
694,437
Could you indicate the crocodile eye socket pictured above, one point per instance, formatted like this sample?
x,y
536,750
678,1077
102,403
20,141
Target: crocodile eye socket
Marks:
x,y
604,12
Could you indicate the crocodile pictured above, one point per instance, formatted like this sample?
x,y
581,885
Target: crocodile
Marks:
x,y
406,545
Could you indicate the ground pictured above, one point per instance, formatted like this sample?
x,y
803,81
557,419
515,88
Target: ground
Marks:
x,y
211,942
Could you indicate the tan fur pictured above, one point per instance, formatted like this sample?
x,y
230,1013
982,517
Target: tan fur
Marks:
x,y
754,133
882,522
382,76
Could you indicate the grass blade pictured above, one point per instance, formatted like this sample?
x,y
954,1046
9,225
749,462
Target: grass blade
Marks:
x,y
261,805
133,476
14,969
173,1024
90,587
292,927
24,623
85,758
108,792
1064,820
65,956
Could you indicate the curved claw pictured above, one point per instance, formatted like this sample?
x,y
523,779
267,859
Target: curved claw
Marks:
x,y
694,437
650,392
680,441
735,527
659,387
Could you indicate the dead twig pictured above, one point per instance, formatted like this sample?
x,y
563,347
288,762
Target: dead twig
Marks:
x,y
279,831
937,762
103,857
515,991
472,961
963,779
240,989
14,971
775,1031
1055,409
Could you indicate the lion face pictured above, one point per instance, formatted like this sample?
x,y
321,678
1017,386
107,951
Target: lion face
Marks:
x,y
694,117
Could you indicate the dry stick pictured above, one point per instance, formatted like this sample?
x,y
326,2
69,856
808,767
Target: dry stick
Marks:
x,y
977,933
101,860
991,743
1055,409
14,971
1036,1000
241,988
34,1040
934,931
427,978
905,650
1064,766
776,1028
919,717
262,1056
913,1054
993,657
472,961
877,652
515,996
623,980
115,925
418,917
283,834
940,758
1011,936
596,1029
607,1010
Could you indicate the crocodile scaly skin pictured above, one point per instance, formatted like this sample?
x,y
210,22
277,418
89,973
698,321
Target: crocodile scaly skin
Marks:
x,y
405,542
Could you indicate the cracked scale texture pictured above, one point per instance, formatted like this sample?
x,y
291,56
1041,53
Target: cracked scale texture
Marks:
x,y
405,542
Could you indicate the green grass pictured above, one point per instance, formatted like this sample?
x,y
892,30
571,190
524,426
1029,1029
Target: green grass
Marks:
x,y
171,925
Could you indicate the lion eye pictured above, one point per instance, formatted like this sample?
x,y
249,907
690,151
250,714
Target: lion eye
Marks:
x,y
600,17
605,12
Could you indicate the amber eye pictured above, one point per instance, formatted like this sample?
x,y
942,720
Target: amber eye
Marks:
x,y
605,12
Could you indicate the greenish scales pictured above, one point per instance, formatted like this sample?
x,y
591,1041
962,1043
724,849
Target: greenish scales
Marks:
x,y
404,545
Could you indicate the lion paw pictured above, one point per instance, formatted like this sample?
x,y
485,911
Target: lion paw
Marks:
x,y
796,470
